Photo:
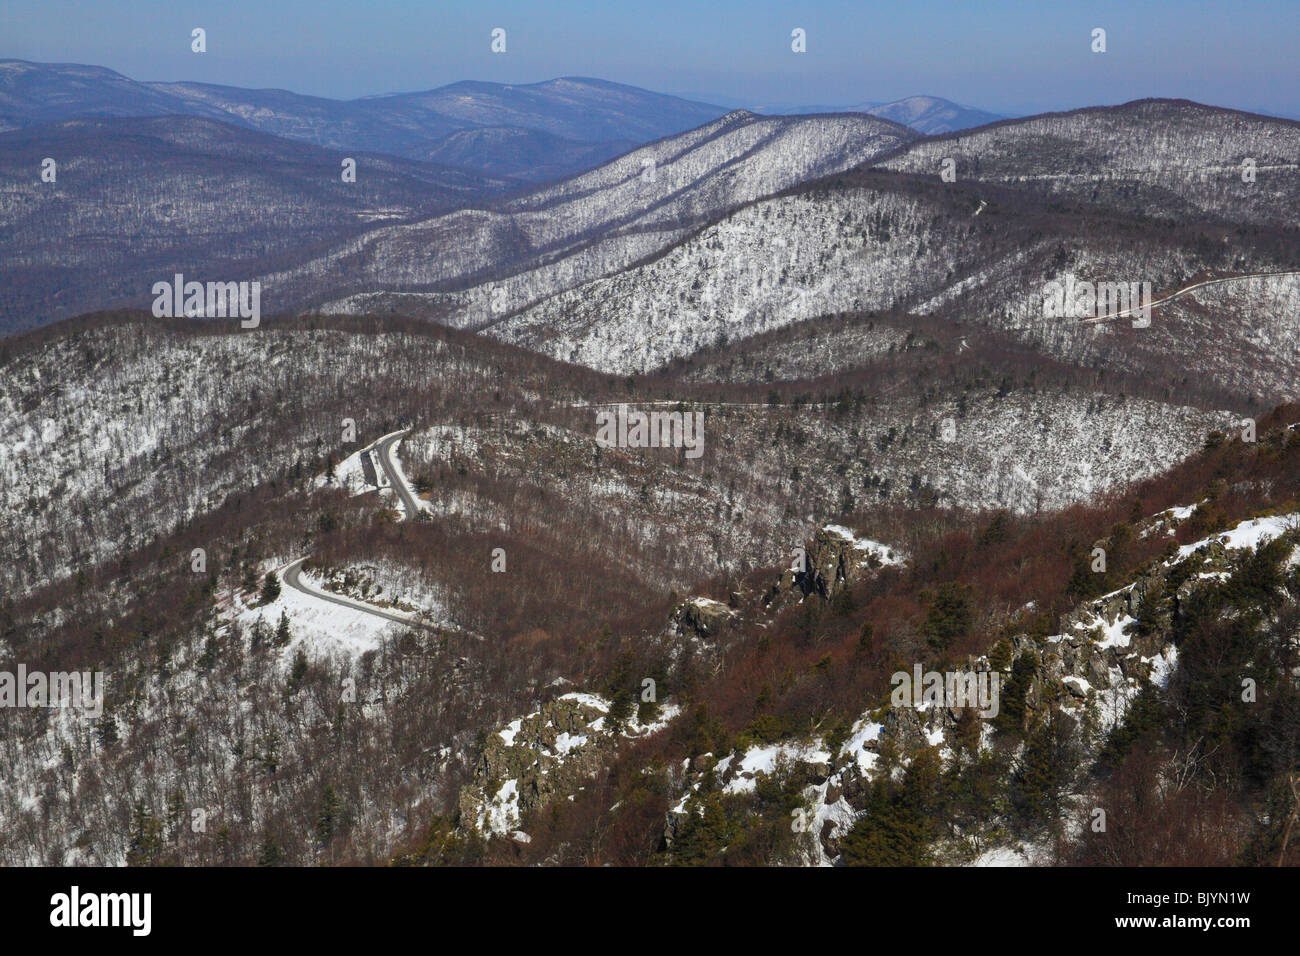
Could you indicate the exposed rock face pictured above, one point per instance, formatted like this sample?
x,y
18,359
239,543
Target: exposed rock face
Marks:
x,y
835,560
702,617
1109,650
547,753
1075,655
831,561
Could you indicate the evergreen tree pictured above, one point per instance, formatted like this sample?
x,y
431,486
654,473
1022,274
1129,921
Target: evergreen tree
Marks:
x,y
282,633
897,826
948,618
270,588
146,837
1042,779
1011,702
620,709
298,672
327,819
260,632
175,814
704,831
270,853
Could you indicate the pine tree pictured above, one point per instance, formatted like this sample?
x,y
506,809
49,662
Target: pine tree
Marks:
x,y
260,632
146,837
298,672
704,832
620,709
1011,702
891,832
270,588
327,819
270,853
948,618
175,815
1042,778
282,633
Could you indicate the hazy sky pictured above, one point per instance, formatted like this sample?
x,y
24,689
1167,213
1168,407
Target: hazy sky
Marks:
x,y
1005,56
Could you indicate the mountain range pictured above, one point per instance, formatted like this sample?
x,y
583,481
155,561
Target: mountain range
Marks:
x,y
533,131
574,122
558,649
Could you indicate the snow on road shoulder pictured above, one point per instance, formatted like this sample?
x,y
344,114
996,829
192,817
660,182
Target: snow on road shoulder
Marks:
x,y
396,459
317,626
349,474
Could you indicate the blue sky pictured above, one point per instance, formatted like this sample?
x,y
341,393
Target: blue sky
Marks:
x,y
1013,56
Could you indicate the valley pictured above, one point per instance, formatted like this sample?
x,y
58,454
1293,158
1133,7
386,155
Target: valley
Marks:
x,y
575,483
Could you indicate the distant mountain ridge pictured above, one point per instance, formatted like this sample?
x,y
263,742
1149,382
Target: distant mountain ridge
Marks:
x,y
930,115
288,217
534,132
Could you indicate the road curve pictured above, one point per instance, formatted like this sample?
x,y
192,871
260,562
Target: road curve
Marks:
x,y
1093,320
1190,288
292,578
292,573
384,446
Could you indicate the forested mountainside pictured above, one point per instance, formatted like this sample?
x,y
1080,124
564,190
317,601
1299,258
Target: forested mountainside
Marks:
x,y
328,235
108,448
954,251
389,577
136,200
494,260
1157,158
895,235
525,154
327,736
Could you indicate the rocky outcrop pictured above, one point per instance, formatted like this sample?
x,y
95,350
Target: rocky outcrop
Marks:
x,y
550,754
702,617
834,559
535,758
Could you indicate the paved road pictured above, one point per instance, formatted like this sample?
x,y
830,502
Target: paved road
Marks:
x,y
396,479
1091,320
1190,288
292,572
291,575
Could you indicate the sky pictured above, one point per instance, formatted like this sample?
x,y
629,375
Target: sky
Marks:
x,y
1013,57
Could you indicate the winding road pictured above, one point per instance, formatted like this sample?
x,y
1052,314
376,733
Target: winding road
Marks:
x,y
396,479
1181,292
1093,320
291,574
291,577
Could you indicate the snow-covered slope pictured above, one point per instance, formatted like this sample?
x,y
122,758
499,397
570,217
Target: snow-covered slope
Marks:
x,y
651,193
1172,158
